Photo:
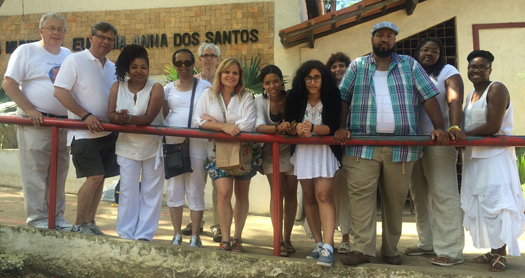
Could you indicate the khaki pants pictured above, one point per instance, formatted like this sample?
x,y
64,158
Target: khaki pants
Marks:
x,y
34,149
364,177
434,188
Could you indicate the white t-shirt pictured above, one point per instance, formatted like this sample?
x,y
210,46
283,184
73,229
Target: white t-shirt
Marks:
x,y
385,112
425,124
35,69
179,104
130,145
89,83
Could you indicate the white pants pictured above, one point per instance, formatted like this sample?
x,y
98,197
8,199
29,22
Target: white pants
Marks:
x,y
34,150
434,188
190,185
139,206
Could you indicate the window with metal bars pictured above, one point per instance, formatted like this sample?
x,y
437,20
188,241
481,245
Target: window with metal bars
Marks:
x,y
445,31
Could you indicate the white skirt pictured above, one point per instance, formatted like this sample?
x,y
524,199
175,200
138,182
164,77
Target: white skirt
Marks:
x,y
314,161
492,200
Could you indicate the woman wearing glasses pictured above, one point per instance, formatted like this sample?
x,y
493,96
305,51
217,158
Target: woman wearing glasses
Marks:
x,y
434,185
228,107
491,194
178,96
313,106
137,101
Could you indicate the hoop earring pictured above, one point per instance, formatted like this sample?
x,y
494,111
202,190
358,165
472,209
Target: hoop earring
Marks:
x,y
221,87
237,88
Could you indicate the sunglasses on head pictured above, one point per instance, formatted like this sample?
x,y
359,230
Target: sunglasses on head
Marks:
x,y
187,63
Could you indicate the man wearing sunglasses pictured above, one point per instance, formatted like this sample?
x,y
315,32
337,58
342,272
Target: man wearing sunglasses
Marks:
x,y
83,86
209,56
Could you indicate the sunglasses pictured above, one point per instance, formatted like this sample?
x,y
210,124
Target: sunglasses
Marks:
x,y
187,63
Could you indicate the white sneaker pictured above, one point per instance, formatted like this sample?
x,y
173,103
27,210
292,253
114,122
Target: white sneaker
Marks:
x,y
177,239
195,242
63,225
41,225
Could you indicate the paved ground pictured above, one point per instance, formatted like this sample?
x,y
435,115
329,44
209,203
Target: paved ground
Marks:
x,y
258,237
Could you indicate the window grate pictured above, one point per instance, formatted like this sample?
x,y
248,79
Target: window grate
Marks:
x,y
445,31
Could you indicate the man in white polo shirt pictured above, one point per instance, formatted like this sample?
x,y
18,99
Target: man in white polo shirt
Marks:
x,y
83,87
28,82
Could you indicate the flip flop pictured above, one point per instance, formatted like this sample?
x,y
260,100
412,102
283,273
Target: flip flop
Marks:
x,y
416,251
450,262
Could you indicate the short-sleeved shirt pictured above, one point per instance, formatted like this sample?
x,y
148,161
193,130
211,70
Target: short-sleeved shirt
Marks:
x,y
89,83
425,124
408,85
35,69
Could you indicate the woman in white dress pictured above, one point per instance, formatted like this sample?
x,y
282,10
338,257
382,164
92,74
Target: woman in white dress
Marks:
x,y
434,182
228,107
491,194
178,95
270,109
313,106
137,101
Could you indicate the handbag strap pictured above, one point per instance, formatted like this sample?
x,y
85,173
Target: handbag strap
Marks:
x,y
222,107
195,81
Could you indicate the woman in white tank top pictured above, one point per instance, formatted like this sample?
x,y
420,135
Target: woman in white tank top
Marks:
x,y
137,101
491,194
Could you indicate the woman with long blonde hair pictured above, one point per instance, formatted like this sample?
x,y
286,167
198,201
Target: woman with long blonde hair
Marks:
x,y
227,107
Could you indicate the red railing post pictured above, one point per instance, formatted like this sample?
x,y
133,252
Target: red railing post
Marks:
x,y
276,201
53,178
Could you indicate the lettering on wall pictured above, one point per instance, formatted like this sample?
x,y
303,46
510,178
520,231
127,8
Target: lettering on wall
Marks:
x,y
161,40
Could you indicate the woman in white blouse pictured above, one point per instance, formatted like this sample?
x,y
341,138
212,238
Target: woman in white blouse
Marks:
x,y
178,96
137,101
237,105
270,109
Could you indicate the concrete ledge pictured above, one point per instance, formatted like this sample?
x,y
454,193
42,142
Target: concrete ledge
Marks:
x,y
76,255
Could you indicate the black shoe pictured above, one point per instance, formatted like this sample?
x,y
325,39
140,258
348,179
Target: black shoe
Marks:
x,y
187,231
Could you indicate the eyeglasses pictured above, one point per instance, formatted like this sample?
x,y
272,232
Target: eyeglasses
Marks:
x,y
480,68
187,63
53,29
316,79
102,37
209,56
426,51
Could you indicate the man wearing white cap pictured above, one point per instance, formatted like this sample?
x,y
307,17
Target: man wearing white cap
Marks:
x,y
382,92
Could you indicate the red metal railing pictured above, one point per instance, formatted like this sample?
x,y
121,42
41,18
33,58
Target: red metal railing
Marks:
x,y
274,139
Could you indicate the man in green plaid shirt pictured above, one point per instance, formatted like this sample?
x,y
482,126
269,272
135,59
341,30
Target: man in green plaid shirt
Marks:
x,y
380,95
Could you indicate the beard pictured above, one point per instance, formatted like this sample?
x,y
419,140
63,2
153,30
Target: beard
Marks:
x,y
382,53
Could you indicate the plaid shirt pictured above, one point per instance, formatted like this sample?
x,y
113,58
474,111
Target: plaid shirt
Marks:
x,y
409,85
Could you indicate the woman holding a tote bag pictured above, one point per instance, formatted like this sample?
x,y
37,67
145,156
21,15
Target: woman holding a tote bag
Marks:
x,y
227,107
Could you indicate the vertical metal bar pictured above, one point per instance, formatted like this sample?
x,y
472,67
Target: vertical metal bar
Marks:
x,y
53,178
276,202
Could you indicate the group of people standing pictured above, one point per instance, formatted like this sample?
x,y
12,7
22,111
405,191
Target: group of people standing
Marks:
x,y
382,93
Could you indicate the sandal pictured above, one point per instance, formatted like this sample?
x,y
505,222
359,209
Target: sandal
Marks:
x,y
344,248
224,246
284,251
289,247
416,251
236,245
442,260
499,259
483,259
